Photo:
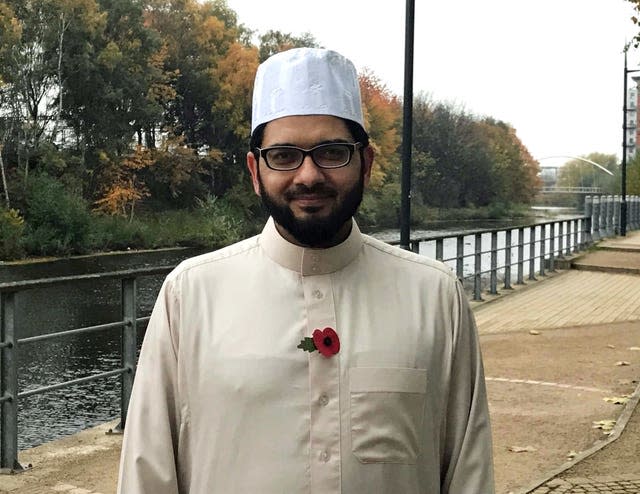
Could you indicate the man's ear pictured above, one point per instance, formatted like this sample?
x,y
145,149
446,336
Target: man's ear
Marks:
x,y
368,163
252,165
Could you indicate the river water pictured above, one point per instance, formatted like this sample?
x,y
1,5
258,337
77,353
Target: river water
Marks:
x,y
52,415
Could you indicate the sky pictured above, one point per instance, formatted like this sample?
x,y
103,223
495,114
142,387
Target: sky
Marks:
x,y
553,69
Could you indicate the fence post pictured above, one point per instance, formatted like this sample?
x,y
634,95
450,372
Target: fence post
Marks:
x,y
543,247
520,278
616,214
129,344
532,253
8,385
439,249
460,257
477,277
552,246
595,222
576,228
507,260
560,238
493,277
588,214
609,213
587,223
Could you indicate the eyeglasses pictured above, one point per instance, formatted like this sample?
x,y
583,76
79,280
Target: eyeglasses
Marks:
x,y
331,155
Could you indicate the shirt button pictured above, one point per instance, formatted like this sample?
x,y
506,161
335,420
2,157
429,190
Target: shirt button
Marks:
x,y
317,294
324,456
323,400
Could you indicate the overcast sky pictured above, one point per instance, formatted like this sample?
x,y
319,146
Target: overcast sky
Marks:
x,y
553,69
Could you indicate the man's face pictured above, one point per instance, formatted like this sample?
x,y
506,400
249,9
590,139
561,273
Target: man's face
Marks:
x,y
311,206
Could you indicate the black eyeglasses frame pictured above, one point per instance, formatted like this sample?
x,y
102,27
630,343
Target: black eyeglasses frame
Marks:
x,y
351,146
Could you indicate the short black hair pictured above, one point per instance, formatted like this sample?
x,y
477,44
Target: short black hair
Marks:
x,y
355,129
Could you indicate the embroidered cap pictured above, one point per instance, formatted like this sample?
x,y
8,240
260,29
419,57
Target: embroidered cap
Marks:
x,y
306,81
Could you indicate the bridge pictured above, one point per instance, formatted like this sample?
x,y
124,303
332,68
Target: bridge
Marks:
x,y
570,190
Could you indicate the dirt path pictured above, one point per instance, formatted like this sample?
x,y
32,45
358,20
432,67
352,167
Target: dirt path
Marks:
x,y
546,390
85,463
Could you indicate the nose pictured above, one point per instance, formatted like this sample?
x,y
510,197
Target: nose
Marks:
x,y
309,173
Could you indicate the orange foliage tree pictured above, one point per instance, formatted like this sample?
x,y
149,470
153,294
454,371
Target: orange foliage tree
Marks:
x,y
382,114
124,185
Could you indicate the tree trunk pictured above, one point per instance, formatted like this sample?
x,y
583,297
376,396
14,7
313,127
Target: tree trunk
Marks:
x,y
4,177
63,28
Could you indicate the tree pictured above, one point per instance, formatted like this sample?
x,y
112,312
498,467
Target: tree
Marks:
x,y
579,173
123,184
636,19
273,42
453,166
382,115
514,171
112,69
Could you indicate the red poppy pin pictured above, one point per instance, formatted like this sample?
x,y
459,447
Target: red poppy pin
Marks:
x,y
326,341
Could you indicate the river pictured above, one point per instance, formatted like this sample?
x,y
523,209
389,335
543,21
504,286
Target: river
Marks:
x,y
52,415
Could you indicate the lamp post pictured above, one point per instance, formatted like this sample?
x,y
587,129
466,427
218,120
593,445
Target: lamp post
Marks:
x,y
623,185
407,128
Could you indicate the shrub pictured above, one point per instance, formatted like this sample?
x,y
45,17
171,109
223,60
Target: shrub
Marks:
x,y
11,230
57,221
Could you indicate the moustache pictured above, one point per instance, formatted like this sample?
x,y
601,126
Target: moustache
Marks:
x,y
302,190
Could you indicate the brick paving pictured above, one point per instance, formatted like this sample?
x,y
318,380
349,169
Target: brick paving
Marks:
x,y
621,256
621,484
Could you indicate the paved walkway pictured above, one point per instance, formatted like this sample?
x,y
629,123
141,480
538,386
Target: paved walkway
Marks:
x,y
550,351
572,321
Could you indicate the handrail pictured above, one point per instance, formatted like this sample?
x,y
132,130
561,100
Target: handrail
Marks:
x,y
547,242
14,286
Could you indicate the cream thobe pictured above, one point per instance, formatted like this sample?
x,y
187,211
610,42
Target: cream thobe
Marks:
x,y
224,402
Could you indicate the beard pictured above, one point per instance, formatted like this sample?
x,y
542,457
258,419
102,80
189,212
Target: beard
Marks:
x,y
313,231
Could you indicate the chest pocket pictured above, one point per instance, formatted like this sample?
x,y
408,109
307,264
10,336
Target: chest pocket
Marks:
x,y
387,413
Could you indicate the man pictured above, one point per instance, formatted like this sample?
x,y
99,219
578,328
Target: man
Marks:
x,y
310,358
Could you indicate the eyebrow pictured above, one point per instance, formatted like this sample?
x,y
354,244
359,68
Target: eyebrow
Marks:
x,y
328,141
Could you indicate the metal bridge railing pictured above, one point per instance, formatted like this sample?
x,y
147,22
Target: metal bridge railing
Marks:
x,y
11,345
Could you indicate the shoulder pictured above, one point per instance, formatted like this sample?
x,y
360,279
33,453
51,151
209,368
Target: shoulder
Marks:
x,y
403,258
203,263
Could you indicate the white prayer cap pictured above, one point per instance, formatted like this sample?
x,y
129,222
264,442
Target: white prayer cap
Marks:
x,y
306,81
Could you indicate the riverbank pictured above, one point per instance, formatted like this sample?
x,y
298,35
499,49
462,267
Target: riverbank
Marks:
x,y
547,376
204,230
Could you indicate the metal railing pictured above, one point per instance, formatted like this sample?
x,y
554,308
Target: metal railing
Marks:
x,y
537,249
11,345
506,253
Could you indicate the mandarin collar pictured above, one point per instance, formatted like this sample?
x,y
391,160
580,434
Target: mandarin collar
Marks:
x,y
305,260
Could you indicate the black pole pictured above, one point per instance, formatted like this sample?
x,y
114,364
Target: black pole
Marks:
x,y
407,128
623,185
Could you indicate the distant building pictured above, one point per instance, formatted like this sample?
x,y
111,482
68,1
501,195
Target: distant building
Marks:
x,y
632,135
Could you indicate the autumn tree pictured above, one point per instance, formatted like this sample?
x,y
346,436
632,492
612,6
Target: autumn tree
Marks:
x,y
514,170
382,114
123,185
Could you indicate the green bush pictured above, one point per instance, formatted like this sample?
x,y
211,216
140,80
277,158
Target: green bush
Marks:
x,y
213,224
117,233
57,221
11,230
